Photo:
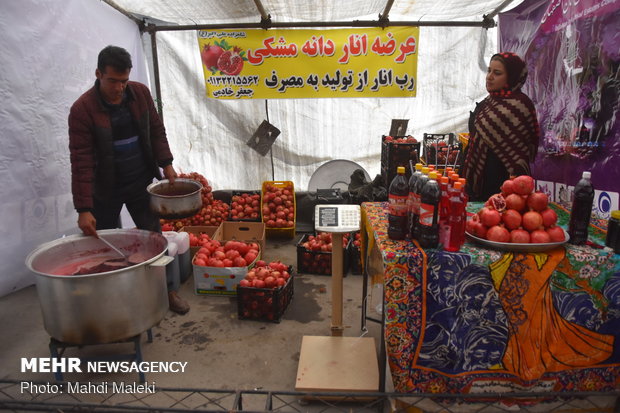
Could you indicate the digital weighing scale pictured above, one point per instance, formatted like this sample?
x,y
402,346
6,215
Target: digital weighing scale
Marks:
x,y
336,363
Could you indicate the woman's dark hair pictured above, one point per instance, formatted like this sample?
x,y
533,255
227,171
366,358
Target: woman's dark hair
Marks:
x,y
114,56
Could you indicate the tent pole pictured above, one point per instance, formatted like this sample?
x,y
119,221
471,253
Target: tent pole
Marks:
x,y
499,8
485,23
383,17
264,17
121,10
160,105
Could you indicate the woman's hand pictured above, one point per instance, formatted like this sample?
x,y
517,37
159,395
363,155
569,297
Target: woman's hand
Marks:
x,y
170,174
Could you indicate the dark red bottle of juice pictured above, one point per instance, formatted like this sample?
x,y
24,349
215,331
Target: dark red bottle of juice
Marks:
x,y
397,208
414,219
458,217
581,210
428,224
411,216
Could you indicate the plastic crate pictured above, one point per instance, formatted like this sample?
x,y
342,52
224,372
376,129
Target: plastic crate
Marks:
x,y
394,154
257,208
355,256
442,150
281,232
264,304
318,262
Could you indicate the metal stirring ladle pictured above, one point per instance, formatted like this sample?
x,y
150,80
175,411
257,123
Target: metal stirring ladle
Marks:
x,y
112,246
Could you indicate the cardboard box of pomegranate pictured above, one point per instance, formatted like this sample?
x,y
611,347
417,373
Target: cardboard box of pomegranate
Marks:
x,y
221,281
241,231
194,237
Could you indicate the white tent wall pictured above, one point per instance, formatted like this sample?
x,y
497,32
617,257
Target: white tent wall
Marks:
x,y
49,56
209,136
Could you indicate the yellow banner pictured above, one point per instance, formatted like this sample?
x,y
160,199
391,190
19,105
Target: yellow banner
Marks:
x,y
291,63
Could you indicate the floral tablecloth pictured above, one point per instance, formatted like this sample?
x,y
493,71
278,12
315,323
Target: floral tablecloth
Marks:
x,y
489,321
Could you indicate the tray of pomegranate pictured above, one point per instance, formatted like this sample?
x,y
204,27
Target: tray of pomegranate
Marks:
x,y
517,219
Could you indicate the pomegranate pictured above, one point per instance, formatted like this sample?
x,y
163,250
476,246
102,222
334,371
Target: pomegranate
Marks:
x,y
511,219
519,236
471,223
539,236
489,217
523,184
516,202
508,187
549,217
230,62
210,54
480,230
556,234
538,201
532,220
498,233
498,202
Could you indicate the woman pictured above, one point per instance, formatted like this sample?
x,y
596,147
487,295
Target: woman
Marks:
x,y
503,130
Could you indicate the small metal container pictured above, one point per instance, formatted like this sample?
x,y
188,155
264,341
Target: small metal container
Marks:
x,y
180,200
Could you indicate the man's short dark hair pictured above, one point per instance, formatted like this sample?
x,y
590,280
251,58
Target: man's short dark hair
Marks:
x,y
114,56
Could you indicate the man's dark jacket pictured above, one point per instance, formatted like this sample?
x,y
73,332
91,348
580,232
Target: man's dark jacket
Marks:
x,y
91,143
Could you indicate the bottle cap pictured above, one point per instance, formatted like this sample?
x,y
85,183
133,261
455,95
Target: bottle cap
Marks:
x,y
454,177
425,170
400,170
445,179
458,185
432,175
463,181
586,175
418,167
615,214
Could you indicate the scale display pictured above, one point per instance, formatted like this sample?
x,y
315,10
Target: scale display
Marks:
x,y
337,218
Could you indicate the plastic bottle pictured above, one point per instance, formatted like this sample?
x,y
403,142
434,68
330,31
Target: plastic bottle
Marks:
x,y
458,217
415,216
581,210
444,210
428,223
397,208
410,200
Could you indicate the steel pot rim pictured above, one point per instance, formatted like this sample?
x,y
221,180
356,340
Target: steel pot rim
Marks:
x,y
76,237
162,182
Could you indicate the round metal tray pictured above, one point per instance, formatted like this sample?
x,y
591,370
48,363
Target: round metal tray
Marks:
x,y
516,247
334,174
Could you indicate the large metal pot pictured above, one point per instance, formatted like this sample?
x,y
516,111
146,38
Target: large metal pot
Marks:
x,y
179,200
103,307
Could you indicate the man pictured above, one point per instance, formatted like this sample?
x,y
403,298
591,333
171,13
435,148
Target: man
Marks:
x,y
118,143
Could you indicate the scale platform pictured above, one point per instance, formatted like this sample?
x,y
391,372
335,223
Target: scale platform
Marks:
x,y
338,364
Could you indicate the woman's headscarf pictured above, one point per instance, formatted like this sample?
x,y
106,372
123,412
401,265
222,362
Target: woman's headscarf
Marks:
x,y
506,124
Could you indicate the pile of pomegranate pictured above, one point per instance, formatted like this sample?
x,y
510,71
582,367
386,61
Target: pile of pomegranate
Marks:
x,y
263,275
400,139
212,213
245,207
314,253
278,206
517,215
214,253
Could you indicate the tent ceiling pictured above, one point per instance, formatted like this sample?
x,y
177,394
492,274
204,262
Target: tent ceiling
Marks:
x,y
201,12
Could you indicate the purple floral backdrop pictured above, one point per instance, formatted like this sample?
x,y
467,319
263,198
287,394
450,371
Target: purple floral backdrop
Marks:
x,y
572,49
